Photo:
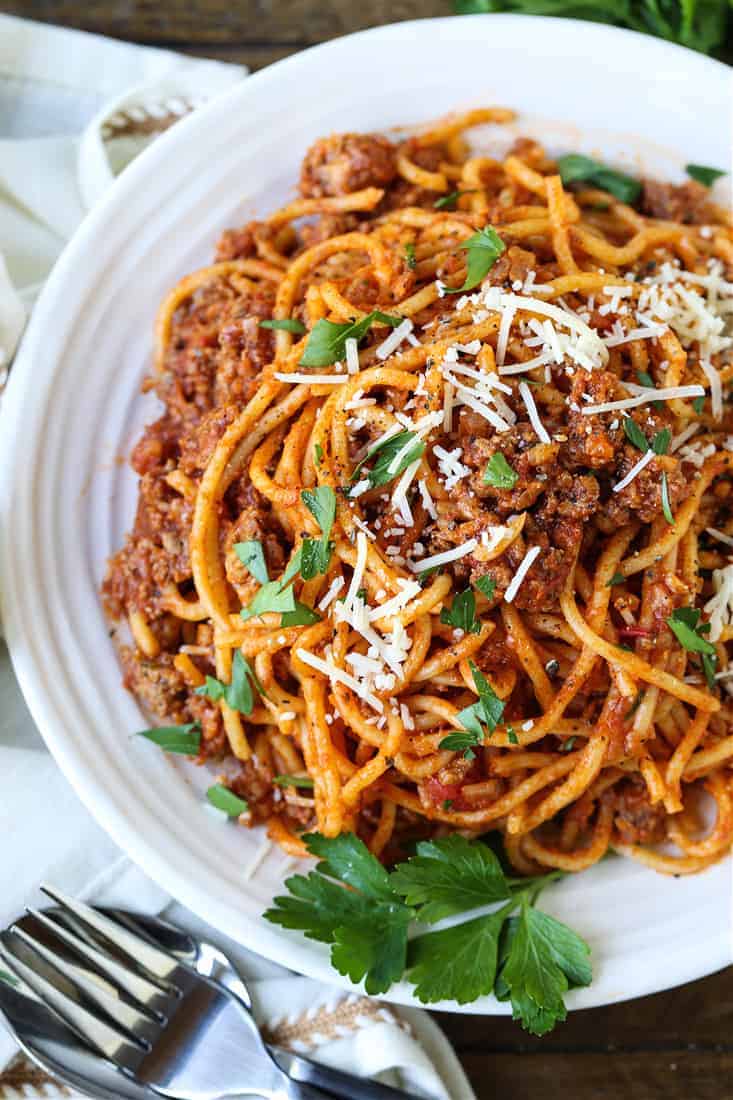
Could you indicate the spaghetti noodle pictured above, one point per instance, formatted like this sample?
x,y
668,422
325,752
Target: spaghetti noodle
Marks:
x,y
482,539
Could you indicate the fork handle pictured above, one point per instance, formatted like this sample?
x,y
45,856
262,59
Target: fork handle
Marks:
x,y
337,1083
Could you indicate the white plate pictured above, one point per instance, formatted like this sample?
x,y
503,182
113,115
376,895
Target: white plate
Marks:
x,y
73,408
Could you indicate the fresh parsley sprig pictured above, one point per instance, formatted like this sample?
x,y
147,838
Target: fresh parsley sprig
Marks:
x,y
528,957
326,343
448,202
285,324
227,801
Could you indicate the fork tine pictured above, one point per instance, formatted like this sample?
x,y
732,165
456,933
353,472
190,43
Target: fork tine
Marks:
x,y
106,1040
137,1024
146,996
156,961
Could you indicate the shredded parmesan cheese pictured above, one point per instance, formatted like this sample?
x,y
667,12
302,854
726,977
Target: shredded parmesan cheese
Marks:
x,y
446,556
521,573
634,471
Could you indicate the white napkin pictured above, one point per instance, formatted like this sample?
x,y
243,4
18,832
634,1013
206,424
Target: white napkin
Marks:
x,y
74,110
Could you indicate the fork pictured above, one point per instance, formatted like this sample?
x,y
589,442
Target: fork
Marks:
x,y
176,1022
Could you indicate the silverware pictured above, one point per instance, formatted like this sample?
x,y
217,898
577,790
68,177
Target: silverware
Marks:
x,y
119,1005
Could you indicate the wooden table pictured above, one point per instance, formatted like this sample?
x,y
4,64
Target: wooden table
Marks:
x,y
676,1045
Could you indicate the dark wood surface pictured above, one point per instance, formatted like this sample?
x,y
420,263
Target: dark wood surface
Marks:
x,y
676,1045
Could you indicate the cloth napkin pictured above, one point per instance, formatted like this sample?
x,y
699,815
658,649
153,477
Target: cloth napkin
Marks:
x,y
74,110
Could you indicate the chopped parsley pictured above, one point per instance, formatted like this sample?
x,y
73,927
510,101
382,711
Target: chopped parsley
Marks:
x,y
318,454
462,613
617,578
237,694
576,168
313,555
410,258
703,174
487,711
252,557
185,739
685,624
226,801
449,201
645,379
287,324
659,444
483,249
512,736
365,912
486,585
327,340
699,404
393,456
568,743
272,597
303,781
499,473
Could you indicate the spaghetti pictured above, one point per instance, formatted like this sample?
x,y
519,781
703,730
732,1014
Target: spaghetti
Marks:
x,y
482,539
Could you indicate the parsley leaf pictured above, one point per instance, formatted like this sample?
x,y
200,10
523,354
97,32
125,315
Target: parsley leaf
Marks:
x,y
666,506
499,473
314,555
635,435
410,258
327,340
449,201
491,705
576,168
350,902
661,441
393,456
686,627
457,963
252,557
448,876
184,739
483,249
699,404
544,959
271,597
318,454
301,615
303,781
645,379
488,710
486,585
238,693
617,578
366,925
226,800
287,324
321,503
462,613
568,743
703,174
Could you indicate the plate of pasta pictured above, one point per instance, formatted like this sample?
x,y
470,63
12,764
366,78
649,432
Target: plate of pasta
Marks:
x,y
373,461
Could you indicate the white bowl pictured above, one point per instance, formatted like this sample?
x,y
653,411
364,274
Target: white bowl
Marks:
x,y
73,409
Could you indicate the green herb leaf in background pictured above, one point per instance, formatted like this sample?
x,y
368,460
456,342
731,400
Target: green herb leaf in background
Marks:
x,y
252,557
226,801
576,168
704,175
185,739
483,249
287,324
238,693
